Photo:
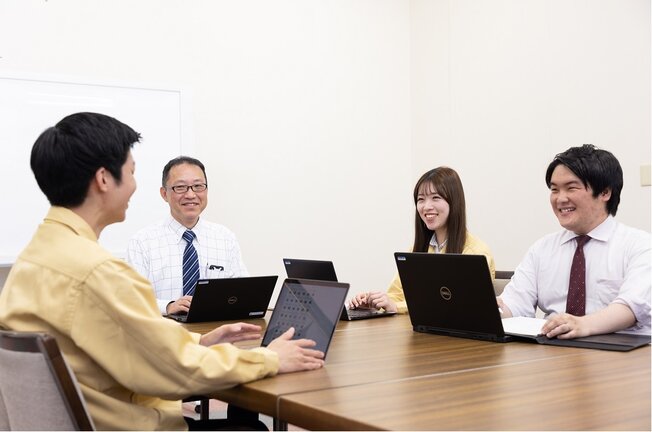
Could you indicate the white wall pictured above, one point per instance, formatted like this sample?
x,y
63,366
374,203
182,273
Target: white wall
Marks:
x,y
499,87
301,111
315,118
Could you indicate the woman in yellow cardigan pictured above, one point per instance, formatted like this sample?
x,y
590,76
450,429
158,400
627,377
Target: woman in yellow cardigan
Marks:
x,y
440,227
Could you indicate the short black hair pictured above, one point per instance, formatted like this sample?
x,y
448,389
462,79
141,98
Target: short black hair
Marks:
x,y
596,168
178,161
65,157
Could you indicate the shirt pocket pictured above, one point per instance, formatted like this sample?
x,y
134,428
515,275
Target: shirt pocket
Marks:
x,y
608,289
215,271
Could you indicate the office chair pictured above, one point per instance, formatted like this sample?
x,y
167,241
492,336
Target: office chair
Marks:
x,y
38,391
502,279
202,408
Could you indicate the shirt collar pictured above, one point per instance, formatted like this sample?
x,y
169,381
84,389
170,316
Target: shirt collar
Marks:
x,y
72,220
436,246
178,229
601,233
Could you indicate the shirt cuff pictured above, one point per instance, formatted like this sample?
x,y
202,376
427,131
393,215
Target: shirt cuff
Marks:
x,y
401,307
272,362
163,305
195,337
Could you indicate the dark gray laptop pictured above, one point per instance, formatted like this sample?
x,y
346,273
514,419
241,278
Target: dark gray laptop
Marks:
x,y
450,294
324,270
312,307
229,299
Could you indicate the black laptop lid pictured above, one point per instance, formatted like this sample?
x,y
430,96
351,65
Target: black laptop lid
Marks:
x,y
231,298
450,294
310,269
312,307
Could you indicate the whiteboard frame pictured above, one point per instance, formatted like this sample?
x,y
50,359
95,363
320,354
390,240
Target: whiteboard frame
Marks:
x,y
186,137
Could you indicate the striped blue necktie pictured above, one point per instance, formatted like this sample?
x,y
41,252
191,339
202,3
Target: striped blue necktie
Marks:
x,y
190,264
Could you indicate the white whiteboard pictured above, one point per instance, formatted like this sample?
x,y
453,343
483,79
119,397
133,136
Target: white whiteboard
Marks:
x,y
28,106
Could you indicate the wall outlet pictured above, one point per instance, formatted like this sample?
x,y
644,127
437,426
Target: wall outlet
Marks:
x,y
645,175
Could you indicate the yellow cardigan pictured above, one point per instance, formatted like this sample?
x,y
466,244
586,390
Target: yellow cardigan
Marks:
x,y
133,365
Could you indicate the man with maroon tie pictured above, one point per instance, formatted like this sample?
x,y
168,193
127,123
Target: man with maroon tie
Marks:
x,y
592,277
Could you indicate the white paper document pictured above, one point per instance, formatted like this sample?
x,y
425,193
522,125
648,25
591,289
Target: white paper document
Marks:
x,y
523,326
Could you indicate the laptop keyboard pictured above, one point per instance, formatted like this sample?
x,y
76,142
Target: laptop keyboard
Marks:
x,y
181,317
354,313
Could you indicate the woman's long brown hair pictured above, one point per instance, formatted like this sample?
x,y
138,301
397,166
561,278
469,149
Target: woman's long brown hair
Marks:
x,y
447,184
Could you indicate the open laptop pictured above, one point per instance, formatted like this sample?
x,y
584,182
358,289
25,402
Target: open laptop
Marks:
x,y
450,294
229,299
453,295
324,270
312,307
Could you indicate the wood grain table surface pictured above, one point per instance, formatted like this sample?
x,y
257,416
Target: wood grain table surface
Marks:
x,y
380,366
581,389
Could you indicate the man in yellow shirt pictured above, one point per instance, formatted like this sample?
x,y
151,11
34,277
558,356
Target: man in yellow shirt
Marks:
x,y
133,366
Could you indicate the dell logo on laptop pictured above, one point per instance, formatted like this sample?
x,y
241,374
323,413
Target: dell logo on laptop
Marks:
x,y
232,300
445,293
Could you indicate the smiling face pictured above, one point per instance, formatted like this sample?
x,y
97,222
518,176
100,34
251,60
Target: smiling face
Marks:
x,y
185,207
574,204
433,210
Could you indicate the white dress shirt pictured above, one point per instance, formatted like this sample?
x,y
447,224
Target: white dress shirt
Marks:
x,y
156,252
617,271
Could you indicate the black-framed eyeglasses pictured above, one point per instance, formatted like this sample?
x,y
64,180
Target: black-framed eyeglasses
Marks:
x,y
181,189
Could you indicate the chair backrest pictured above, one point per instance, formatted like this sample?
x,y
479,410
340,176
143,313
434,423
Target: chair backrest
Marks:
x,y
502,279
38,391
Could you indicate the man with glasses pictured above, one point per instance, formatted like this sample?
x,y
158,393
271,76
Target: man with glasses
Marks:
x,y
177,251
133,366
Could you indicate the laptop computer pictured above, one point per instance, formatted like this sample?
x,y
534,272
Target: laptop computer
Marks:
x,y
324,270
312,307
450,294
453,295
229,299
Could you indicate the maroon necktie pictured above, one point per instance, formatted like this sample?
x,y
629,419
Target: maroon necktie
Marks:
x,y
576,300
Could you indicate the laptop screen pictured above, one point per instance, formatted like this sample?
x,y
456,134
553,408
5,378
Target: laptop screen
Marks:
x,y
229,299
310,269
450,294
312,307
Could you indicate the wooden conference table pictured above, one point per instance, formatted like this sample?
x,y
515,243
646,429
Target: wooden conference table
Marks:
x,y
379,374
